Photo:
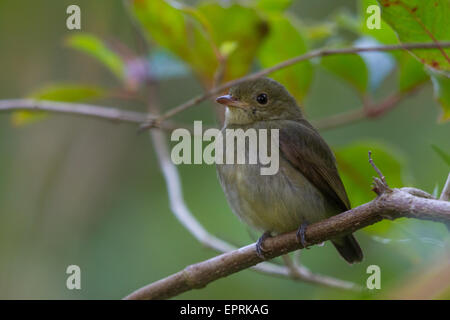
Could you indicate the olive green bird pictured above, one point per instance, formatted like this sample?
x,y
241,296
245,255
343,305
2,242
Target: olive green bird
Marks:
x,y
307,187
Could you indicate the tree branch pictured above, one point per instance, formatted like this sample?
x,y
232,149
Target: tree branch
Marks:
x,y
392,204
368,111
87,110
151,121
312,54
302,273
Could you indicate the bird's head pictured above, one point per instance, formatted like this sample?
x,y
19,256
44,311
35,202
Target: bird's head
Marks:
x,y
261,99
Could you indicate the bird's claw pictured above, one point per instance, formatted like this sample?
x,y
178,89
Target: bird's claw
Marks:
x,y
260,243
301,235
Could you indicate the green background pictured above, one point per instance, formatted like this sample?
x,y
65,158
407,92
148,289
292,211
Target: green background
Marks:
x,y
88,192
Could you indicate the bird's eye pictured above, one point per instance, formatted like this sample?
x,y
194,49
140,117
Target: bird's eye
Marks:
x,y
262,98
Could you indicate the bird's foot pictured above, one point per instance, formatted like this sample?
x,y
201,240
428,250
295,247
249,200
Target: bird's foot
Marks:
x,y
301,235
260,243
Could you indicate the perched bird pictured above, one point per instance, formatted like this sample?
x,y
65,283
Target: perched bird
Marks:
x,y
307,187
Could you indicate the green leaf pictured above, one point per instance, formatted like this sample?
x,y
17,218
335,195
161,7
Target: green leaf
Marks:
x,y
421,21
441,86
284,42
411,72
177,28
58,92
246,35
346,20
319,31
201,35
227,48
350,68
22,118
442,154
357,174
67,92
95,47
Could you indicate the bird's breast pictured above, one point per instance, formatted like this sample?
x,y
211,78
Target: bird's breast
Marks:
x,y
279,202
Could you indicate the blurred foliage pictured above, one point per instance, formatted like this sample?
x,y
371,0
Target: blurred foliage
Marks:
x,y
68,92
441,85
421,21
350,68
273,6
196,34
284,42
204,38
217,41
56,92
357,174
246,36
411,73
442,154
172,27
385,34
90,44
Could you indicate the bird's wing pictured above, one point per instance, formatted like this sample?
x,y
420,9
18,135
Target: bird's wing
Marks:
x,y
304,148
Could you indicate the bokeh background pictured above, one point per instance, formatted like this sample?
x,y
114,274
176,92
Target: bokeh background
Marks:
x,y
89,192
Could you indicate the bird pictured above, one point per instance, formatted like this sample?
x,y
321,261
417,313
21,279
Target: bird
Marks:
x,y
307,187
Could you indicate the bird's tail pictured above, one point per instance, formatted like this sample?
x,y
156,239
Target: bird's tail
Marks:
x,y
348,248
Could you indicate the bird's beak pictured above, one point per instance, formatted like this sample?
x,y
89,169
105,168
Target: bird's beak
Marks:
x,y
230,101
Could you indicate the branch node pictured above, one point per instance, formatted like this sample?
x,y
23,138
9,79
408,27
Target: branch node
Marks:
x,y
378,186
190,280
418,193
152,123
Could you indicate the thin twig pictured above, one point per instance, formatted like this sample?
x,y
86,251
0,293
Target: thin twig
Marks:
x,y
88,110
378,171
300,272
340,119
445,195
368,111
118,115
287,63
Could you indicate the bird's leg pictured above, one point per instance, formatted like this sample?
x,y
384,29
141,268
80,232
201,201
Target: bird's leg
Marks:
x,y
260,243
301,235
